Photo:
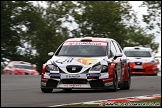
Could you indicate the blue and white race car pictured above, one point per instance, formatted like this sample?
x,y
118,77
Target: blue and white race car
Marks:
x,y
89,62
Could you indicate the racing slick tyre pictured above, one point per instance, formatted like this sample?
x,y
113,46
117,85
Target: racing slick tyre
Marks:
x,y
126,84
115,82
44,90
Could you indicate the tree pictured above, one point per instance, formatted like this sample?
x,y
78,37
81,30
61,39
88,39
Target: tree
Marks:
x,y
20,23
16,18
111,19
43,31
51,34
29,32
153,18
141,38
10,39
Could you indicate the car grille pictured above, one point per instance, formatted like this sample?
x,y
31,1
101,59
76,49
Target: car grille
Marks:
x,y
73,68
52,83
96,83
73,81
138,63
26,73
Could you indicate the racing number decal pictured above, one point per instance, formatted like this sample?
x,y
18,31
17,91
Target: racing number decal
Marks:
x,y
64,61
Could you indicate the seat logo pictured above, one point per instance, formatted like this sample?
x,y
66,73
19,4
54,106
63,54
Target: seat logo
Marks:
x,y
73,68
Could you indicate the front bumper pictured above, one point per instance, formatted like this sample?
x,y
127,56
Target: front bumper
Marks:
x,y
82,82
143,69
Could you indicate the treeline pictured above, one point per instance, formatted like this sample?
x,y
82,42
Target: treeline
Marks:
x,y
29,32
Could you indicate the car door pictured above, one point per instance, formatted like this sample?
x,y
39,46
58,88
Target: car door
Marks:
x,y
118,61
112,54
122,61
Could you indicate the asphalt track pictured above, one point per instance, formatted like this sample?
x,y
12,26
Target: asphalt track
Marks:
x,y
24,91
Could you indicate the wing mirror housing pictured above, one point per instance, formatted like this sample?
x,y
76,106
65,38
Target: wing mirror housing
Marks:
x,y
117,55
51,53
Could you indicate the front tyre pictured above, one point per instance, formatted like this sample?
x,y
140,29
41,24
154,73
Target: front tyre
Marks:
x,y
126,84
45,90
115,82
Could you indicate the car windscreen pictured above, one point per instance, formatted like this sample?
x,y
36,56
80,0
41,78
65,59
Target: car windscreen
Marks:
x,y
23,66
83,49
137,53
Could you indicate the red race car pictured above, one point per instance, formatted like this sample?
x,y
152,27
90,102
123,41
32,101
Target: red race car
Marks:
x,y
20,68
141,60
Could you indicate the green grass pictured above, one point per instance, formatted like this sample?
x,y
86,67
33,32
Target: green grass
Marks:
x,y
143,103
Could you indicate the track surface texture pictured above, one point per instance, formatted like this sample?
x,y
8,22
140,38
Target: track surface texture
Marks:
x,y
24,91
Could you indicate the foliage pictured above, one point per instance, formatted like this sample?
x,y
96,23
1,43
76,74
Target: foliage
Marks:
x,y
51,34
10,37
29,32
108,19
153,18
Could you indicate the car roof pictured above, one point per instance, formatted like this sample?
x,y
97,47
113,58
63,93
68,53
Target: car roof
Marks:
x,y
88,39
136,49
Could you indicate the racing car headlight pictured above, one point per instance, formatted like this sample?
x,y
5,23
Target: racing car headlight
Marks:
x,y
104,68
51,67
96,67
151,62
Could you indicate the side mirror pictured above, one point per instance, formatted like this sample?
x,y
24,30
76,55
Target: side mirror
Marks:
x,y
117,55
50,53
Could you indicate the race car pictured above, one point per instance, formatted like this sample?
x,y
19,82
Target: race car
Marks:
x,y
86,63
20,68
142,61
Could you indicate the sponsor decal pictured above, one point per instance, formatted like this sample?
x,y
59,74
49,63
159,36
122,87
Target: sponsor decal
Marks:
x,y
72,85
54,75
67,60
87,61
86,43
72,76
93,74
